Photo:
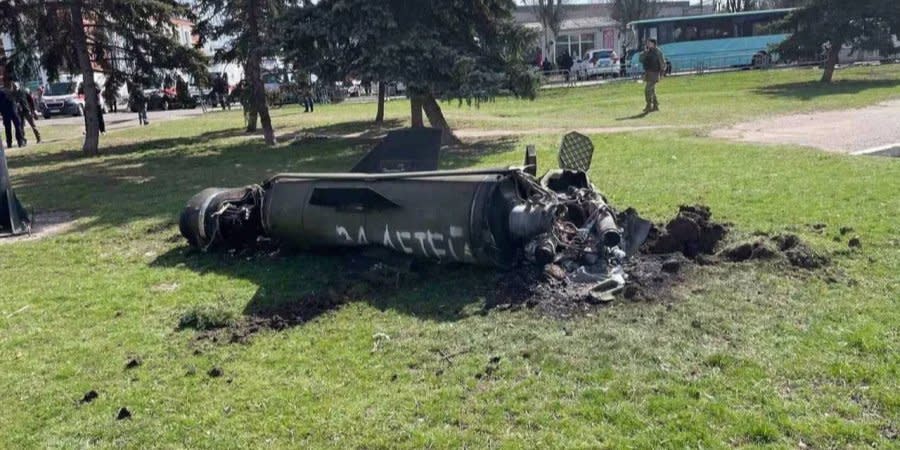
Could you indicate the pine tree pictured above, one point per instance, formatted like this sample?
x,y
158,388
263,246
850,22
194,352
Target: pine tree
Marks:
x,y
124,38
829,25
464,50
339,38
248,29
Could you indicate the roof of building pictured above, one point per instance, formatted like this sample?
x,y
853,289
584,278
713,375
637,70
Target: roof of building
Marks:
x,y
587,22
578,23
707,16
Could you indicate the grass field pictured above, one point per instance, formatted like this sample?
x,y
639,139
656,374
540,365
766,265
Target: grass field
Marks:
x,y
741,355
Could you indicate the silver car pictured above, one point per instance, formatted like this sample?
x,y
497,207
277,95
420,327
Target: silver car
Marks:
x,y
599,62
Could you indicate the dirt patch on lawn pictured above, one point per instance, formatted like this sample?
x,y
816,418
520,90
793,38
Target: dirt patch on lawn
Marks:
x,y
671,256
44,224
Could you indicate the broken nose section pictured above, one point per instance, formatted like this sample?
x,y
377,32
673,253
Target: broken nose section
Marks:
x,y
500,217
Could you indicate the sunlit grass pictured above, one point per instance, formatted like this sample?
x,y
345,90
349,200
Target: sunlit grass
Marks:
x,y
744,355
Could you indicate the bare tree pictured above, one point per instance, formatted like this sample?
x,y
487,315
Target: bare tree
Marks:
x,y
550,14
627,11
739,5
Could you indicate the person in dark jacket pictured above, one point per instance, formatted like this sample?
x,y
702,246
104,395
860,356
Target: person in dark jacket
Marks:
x,y
220,89
101,123
9,111
565,63
111,93
25,108
654,63
306,96
138,102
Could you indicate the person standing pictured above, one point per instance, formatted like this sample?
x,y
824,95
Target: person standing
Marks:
x,y
99,114
25,109
654,63
565,64
138,102
308,105
11,121
111,93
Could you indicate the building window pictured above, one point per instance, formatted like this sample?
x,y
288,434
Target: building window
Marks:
x,y
577,45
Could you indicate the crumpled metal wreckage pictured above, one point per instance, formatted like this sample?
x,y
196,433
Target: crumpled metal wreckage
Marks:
x,y
14,220
396,198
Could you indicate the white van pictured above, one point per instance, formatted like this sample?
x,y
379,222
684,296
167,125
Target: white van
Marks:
x,y
67,97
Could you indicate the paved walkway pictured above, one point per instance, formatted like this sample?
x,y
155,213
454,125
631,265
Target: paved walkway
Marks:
x,y
120,120
843,131
479,133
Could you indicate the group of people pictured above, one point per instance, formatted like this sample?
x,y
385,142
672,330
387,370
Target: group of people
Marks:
x,y
17,107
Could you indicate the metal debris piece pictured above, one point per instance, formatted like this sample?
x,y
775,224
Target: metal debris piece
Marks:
x,y
14,220
501,217
576,152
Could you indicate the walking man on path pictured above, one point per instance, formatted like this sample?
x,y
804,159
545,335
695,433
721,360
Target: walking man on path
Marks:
x,y
654,63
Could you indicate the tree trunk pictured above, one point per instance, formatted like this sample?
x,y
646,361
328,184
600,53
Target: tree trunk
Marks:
x,y
91,105
254,75
251,118
830,61
379,116
415,104
437,120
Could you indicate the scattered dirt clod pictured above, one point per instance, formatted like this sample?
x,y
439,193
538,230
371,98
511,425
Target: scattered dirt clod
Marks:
x,y
691,233
854,242
123,414
671,266
89,396
133,362
215,372
747,251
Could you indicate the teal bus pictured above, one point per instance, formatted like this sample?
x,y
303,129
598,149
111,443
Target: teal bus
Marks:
x,y
711,41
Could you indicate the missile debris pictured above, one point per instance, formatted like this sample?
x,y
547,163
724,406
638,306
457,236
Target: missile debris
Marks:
x,y
395,198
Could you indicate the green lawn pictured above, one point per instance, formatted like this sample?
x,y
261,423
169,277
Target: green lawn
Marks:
x,y
740,355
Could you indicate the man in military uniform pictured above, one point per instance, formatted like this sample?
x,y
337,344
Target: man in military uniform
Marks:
x,y
654,63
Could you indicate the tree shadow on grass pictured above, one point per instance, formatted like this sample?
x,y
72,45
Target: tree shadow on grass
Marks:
x,y
634,117
362,129
810,90
295,287
474,151
25,160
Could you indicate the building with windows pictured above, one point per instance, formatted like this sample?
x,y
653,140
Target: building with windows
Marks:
x,y
588,26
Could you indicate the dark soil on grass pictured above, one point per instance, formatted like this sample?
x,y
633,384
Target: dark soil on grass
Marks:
x,y
673,254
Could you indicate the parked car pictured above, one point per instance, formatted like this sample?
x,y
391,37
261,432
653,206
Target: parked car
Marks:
x,y
161,99
355,90
199,94
157,99
395,88
64,98
600,62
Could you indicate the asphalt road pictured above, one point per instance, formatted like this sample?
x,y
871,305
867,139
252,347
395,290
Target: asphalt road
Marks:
x,y
121,120
841,131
